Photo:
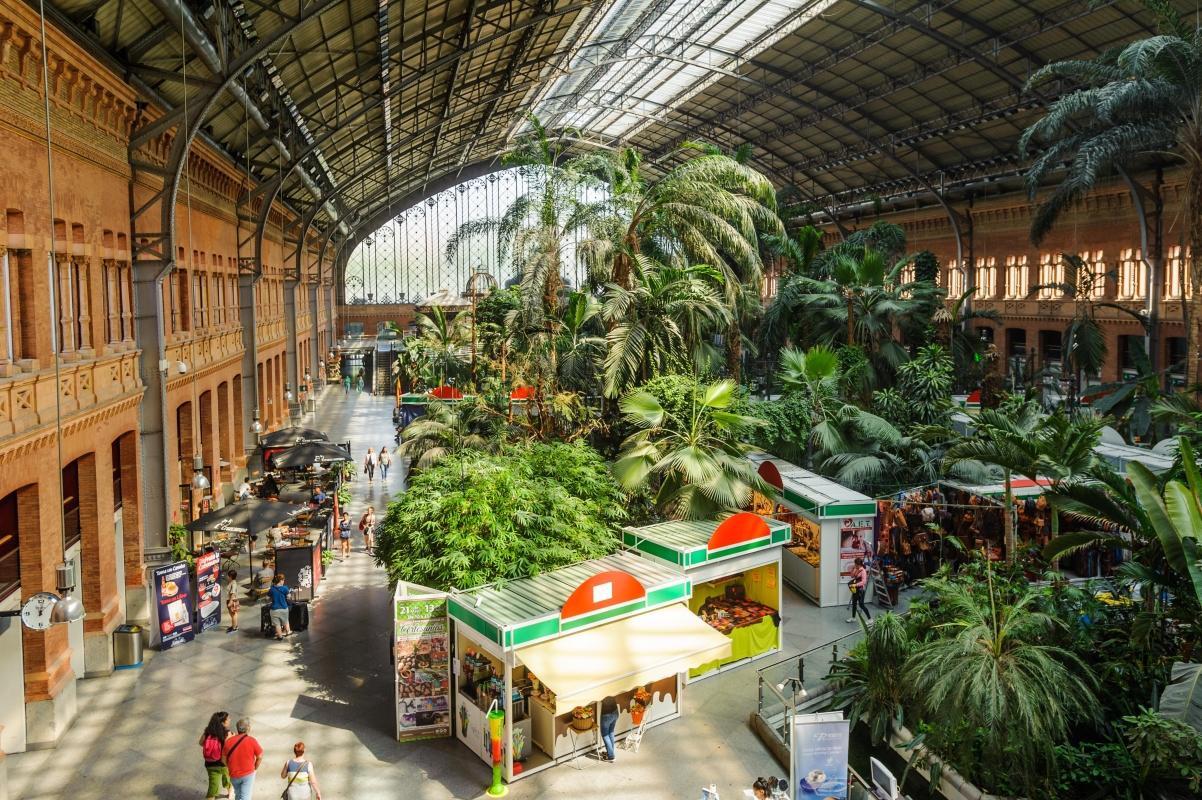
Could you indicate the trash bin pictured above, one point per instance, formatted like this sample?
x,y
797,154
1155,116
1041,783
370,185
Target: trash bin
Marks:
x,y
127,647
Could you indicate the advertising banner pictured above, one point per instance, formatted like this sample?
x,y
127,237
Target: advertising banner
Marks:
x,y
423,664
208,591
172,600
820,755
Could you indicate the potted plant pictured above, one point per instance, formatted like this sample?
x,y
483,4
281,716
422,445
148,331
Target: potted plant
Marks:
x,y
582,718
638,705
327,556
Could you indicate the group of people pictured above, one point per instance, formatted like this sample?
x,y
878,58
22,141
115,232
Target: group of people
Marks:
x,y
371,460
367,527
233,758
349,380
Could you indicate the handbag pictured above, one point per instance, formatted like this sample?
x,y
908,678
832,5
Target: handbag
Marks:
x,y
284,794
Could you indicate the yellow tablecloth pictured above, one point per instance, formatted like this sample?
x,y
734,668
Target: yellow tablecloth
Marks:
x,y
745,642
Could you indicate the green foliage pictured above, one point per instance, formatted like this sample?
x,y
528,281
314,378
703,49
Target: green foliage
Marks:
x,y
923,391
179,539
448,428
474,518
785,426
869,681
1084,769
1164,750
926,266
694,461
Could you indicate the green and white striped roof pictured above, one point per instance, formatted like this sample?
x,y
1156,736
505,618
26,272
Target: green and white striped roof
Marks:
x,y
520,612
686,543
815,493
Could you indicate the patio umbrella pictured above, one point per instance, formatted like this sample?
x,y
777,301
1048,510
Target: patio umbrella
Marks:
x,y
309,453
246,515
285,437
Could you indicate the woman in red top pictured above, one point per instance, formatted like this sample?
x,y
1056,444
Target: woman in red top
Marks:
x,y
858,584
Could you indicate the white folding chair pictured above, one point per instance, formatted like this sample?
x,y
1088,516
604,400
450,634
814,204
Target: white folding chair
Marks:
x,y
635,737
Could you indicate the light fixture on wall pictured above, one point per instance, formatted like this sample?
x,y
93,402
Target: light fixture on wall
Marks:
x,y
44,609
256,427
287,392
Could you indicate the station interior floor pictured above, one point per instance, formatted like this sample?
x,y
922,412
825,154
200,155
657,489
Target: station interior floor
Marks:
x,y
137,731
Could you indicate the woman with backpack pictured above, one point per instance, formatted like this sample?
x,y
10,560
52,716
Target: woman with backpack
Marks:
x,y
212,742
367,525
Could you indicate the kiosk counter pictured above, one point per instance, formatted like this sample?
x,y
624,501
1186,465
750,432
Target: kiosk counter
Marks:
x,y
547,650
832,526
735,569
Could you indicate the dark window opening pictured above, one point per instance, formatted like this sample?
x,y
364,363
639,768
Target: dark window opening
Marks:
x,y
10,552
72,525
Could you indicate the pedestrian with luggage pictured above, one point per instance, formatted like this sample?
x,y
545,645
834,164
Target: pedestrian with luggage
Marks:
x,y
279,606
367,525
301,777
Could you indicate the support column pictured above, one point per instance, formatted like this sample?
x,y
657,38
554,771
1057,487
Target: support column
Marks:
x,y
316,356
292,372
250,356
155,477
99,565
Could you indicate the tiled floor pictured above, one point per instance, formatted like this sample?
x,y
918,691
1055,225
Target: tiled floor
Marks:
x,y
136,734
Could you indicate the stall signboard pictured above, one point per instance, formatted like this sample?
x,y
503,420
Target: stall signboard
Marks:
x,y
855,541
820,743
172,598
208,591
423,663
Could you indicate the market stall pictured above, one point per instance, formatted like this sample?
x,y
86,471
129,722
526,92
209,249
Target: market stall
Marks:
x,y
734,567
543,652
831,525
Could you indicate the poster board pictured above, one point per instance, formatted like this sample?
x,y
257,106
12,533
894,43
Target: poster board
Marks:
x,y
422,655
171,587
857,539
208,591
819,757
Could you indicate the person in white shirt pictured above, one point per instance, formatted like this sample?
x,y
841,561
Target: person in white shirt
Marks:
x,y
244,490
369,465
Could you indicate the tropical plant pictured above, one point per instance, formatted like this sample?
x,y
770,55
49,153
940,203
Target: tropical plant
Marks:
x,y
441,345
663,317
954,330
1143,100
475,518
448,428
845,441
992,670
696,461
1166,751
869,680
1134,401
922,395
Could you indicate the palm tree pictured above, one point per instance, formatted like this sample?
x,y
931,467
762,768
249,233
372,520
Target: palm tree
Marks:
x,y
447,428
443,343
1143,101
845,440
579,346
991,670
1005,439
696,461
664,316
955,331
869,680
1022,441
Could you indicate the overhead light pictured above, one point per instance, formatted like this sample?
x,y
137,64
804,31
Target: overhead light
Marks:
x,y
256,427
199,482
69,608
287,392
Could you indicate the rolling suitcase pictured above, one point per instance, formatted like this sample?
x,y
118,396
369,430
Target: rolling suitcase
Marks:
x,y
265,625
298,616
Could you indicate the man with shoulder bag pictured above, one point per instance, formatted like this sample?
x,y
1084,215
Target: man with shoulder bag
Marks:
x,y
242,755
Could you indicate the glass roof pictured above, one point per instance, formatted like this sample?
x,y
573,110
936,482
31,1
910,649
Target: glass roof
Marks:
x,y
645,56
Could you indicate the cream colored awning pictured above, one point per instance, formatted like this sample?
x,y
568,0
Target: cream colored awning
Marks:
x,y
582,668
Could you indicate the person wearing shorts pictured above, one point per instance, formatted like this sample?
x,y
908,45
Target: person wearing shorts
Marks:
x,y
344,534
279,606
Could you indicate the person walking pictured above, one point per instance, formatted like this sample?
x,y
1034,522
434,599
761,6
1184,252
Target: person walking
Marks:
x,y
232,601
212,747
359,382
279,606
301,777
858,583
385,462
346,384
367,525
609,720
344,534
242,756
369,465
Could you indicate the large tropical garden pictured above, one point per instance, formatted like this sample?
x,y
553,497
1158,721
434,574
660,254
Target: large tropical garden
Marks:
x,y
636,396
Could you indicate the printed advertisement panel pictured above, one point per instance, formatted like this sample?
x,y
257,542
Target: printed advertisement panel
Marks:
x,y
820,756
208,591
855,541
423,663
172,599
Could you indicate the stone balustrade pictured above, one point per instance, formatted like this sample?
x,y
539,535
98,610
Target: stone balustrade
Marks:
x,y
27,399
